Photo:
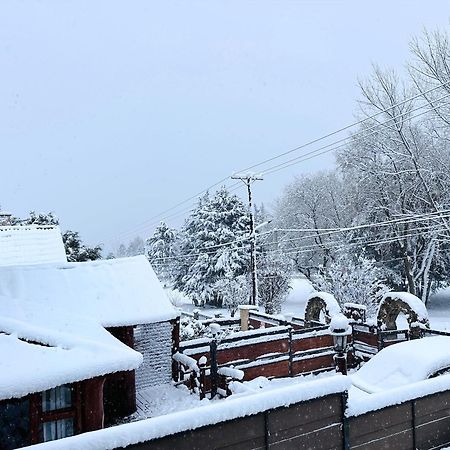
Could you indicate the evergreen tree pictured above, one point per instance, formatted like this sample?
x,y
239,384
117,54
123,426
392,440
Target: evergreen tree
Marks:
x,y
213,243
136,247
76,251
161,249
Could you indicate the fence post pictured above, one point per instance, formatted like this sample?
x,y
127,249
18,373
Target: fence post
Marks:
x,y
413,422
244,312
201,378
290,352
213,367
266,429
345,423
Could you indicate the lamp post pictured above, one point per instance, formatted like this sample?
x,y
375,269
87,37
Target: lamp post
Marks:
x,y
340,330
215,330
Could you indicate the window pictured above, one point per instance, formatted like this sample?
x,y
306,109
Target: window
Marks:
x,y
57,398
58,413
57,429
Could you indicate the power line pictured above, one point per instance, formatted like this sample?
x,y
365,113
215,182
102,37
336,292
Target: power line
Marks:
x,y
330,147
347,127
302,157
420,218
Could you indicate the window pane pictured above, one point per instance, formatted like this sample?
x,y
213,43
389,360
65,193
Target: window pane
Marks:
x,y
57,429
57,398
14,424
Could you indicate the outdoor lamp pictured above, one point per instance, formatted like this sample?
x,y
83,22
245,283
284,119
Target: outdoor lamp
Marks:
x,y
340,330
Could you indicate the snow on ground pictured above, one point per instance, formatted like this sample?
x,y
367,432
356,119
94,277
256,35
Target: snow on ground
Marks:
x,y
260,384
294,303
439,310
161,400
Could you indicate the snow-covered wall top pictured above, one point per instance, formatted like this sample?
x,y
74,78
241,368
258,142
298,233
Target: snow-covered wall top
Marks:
x,y
76,348
32,244
232,408
114,292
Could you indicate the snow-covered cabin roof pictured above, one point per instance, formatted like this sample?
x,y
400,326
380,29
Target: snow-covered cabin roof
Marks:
x,y
73,348
31,244
114,292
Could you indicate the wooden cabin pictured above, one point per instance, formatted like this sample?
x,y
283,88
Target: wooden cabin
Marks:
x,y
78,341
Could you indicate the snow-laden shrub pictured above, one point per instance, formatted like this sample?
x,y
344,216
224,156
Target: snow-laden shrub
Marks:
x,y
191,328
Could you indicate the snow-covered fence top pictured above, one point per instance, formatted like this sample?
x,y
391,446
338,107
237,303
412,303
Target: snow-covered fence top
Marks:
x,y
232,408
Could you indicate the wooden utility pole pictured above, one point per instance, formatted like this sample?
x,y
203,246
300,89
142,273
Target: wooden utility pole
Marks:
x,y
248,179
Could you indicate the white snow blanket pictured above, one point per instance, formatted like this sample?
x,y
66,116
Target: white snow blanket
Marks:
x,y
115,292
403,363
75,348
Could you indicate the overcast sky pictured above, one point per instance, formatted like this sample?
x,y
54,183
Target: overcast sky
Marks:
x,y
112,112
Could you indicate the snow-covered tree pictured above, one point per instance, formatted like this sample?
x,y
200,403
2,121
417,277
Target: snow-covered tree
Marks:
x,y
161,250
41,219
353,278
213,242
274,276
234,292
136,247
308,205
76,251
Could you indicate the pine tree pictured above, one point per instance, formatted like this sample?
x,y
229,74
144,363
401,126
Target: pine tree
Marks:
x,y
213,243
161,249
76,251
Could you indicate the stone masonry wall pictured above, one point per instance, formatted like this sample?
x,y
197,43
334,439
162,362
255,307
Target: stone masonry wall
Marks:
x,y
154,342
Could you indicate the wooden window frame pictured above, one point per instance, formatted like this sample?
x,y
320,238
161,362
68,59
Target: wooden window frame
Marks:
x,y
38,416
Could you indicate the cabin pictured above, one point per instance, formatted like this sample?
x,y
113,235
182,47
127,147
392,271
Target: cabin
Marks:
x,y
78,341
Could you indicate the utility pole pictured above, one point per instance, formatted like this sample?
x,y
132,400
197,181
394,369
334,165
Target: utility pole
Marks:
x,y
248,179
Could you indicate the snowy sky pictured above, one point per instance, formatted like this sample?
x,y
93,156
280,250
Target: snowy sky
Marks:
x,y
114,111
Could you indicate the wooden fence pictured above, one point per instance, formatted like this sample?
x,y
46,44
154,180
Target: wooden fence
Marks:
x,y
297,426
422,423
276,351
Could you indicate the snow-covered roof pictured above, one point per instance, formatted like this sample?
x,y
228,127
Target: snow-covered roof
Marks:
x,y
114,292
32,244
73,348
403,363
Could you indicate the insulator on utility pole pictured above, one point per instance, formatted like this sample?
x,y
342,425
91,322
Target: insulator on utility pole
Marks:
x,y
248,179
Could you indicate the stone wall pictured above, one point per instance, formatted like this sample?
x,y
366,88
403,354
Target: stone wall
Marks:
x,y
154,342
